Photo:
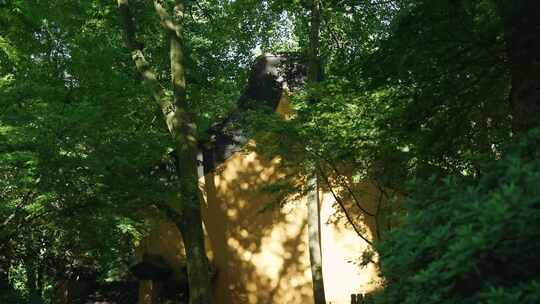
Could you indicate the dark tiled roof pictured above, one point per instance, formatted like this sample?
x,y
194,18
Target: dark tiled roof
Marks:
x,y
265,85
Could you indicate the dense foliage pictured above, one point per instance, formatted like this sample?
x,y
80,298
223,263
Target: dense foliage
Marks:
x,y
422,106
81,144
469,240
429,100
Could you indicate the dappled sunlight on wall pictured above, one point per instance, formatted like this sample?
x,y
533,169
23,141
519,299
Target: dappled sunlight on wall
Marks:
x,y
341,250
160,243
261,256
164,241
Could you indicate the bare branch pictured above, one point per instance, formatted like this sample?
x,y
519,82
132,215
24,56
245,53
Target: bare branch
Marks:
x,y
143,67
164,18
342,205
18,207
344,184
129,24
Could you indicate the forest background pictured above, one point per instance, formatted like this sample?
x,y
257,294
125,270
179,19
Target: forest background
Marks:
x,y
436,101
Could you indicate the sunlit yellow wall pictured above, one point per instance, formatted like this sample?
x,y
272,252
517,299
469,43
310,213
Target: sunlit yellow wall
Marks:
x,y
262,257
342,247
164,240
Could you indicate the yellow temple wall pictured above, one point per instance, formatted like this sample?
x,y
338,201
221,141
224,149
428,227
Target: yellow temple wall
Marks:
x,y
263,257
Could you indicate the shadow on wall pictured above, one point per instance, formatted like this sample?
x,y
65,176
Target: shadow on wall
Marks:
x,y
261,256
342,247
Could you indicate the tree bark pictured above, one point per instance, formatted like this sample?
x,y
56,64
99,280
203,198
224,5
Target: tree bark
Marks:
x,y
34,292
183,132
314,64
314,232
315,252
4,272
521,23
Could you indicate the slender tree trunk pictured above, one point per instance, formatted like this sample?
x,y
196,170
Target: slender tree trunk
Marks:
x,y
40,277
34,293
184,132
314,68
187,213
4,272
314,231
521,22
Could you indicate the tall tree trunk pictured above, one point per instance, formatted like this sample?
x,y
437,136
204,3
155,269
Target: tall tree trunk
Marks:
x,y
315,255
34,292
4,272
314,232
184,131
314,64
521,22
187,213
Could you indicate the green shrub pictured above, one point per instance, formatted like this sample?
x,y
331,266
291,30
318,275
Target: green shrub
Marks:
x,y
10,296
469,240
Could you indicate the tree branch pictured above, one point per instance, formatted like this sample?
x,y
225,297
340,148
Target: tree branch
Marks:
x,y
342,205
344,184
164,18
143,67
18,207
